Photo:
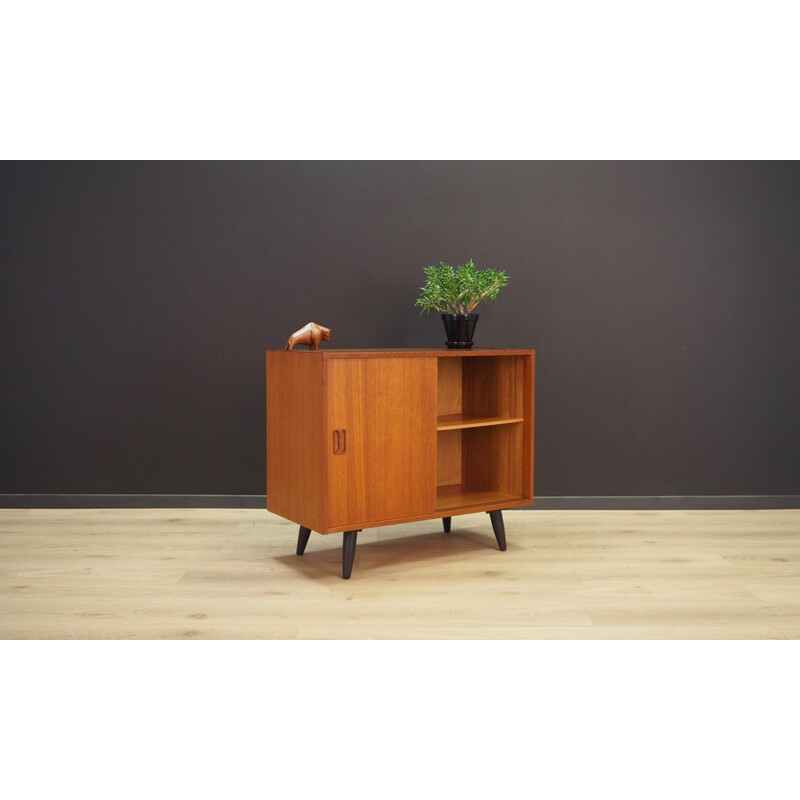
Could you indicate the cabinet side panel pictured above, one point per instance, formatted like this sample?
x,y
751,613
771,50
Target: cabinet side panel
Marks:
x,y
529,403
294,437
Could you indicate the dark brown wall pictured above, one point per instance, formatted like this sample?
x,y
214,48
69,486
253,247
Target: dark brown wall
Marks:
x,y
137,300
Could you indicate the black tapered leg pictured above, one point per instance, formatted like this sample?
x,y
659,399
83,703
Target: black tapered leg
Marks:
x,y
348,552
499,528
302,540
446,521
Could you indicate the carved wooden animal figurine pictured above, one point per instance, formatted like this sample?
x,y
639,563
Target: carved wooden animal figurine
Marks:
x,y
311,334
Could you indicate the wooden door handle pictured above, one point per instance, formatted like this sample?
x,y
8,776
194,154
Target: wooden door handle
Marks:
x,y
339,441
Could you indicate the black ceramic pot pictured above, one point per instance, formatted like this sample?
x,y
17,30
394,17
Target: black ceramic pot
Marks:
x,y
459,329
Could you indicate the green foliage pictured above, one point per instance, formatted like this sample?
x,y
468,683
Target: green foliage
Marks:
x,y
458,290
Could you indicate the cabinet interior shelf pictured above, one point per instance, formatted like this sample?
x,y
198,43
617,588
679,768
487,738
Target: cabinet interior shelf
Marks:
x,y
458,496
451,422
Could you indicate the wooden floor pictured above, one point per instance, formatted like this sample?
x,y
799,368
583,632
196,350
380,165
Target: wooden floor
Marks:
x,y
233,574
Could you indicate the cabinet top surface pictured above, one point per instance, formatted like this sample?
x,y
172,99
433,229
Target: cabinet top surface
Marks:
x,y
408,352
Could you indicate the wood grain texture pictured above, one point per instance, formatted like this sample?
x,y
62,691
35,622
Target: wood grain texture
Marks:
x,y
386,406
492,460
448,458
295,460
529,424
388,409
233,574
453,498
495,430
493,386
450,422
448,403
448,386
439,352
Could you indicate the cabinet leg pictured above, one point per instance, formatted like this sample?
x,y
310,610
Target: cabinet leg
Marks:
x,y
499,528
302,540
446,522
348,552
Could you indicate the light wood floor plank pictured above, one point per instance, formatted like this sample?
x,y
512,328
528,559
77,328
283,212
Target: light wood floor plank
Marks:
x,y
233,574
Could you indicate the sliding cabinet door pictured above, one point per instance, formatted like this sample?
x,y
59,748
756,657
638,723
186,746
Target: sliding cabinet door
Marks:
x,y
381,439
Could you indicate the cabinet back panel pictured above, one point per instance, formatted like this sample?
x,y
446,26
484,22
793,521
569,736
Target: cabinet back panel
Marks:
x,y
492,459
493,386
448,458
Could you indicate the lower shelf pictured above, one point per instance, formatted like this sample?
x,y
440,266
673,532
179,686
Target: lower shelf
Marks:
x,y
457,496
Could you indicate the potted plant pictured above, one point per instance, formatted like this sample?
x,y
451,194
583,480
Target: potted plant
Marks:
x,y
456,292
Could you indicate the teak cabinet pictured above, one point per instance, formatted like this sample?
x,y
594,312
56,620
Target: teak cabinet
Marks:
x,y
364,438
